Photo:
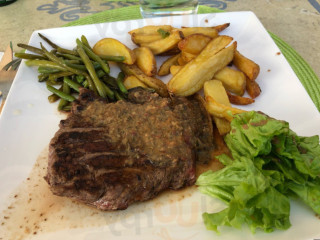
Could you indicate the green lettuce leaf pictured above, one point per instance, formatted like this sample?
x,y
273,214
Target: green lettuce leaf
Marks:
x,y
270,163
309,193
250,196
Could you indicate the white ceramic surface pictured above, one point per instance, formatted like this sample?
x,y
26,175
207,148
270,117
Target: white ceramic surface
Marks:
x,y
29,121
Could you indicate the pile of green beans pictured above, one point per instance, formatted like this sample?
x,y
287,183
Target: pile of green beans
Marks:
x,y
66,71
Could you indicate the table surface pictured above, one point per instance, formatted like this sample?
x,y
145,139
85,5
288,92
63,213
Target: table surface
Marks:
x,y
295,21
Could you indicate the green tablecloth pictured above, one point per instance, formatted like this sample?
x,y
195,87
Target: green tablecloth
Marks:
x,y
303,71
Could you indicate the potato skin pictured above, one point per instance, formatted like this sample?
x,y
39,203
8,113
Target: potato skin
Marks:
x,y
113,47
192,76
146,60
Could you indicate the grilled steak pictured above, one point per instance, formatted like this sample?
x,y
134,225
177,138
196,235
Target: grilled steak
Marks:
x,y
110,155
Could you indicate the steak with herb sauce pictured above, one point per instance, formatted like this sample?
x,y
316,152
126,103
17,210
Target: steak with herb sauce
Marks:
x,y
110,155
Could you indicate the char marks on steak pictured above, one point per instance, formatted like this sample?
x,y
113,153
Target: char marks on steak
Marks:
x,y
110,155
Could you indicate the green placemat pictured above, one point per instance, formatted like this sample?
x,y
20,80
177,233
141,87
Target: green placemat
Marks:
x,y
303,71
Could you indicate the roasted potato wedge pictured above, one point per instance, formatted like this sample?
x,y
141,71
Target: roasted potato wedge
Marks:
x,y
187,57
132,82
151,82
181,61
113,47
252,88
222,27
145,38
209,31
222,147
221,110
165,66
212,58
146,60
174,69
238,100
215,89
194,43
164,44
151,29
233,80
244,64
173,51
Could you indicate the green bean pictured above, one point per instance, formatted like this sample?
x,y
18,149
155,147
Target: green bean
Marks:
x,y
94,57
110,93
63,102
74,85
30,48
84,40
55,76
29,56
99,85
43,77
69,56
118,96
67,108
60,62
61,94
76,66
73,61
45,63
42,69
119,81
48,41
100,73
63,50
80,79
53,82
112,58
53,98
110,81
85,84
54,51
83,67
55,46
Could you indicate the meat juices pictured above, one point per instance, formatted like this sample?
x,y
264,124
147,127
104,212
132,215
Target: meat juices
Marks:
x,y
110,155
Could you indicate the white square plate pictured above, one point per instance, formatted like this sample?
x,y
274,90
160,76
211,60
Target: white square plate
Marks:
x,y
29,121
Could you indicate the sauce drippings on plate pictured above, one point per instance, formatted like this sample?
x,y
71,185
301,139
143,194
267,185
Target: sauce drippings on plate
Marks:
x,y
34,210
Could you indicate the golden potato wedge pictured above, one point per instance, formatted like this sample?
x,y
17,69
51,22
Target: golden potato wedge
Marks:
x,y
151,82
113,47
222,27
233,80
222,147
249,67
187,57
252,88
209,31
151,29
164,44
174,69
215,89
132,82
174,51
221,110
194,43
165,66
192,76
146,60
145,38
238,100
181,61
